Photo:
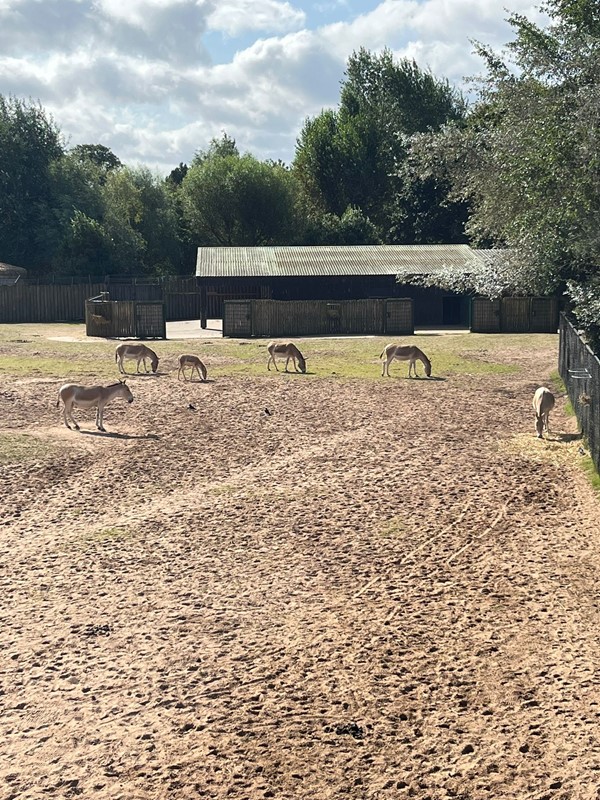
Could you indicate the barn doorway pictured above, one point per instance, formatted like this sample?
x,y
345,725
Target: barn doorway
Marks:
x,y
451,310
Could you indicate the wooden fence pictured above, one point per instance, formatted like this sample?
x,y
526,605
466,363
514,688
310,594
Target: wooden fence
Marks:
x,y
125,319
579,368
243,318
56,302
46,303
514,315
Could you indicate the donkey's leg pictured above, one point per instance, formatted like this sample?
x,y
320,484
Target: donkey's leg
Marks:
x,y
65,417
99,414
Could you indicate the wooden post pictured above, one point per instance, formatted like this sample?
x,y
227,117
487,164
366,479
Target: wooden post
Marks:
x,y
203,306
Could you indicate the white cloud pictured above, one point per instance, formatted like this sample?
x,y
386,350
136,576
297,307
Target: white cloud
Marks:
x,y
137,75
237,16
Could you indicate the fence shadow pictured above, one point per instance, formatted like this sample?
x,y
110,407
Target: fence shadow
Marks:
x,y
565,437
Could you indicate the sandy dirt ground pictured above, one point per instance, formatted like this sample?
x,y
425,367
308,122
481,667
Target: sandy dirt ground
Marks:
x,y
379,589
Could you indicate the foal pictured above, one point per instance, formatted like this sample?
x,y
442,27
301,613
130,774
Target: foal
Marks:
x,y
193,362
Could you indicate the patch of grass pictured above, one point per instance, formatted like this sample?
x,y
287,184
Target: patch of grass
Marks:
x,y
18,447
351,357
221,488
110,534
539,451
25,350
589,468
394,528
557,382
60,360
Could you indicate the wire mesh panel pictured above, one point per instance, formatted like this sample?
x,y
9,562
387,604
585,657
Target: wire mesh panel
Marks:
x,y
515,314
579,368
237,318
399,316
150,321
544,315
485,315
361,316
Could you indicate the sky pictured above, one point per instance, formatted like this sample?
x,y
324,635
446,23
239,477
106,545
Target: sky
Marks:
x,y
156,80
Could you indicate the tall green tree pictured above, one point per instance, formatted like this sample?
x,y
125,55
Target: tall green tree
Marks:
x,y
231,199
351,157
30,143
528,160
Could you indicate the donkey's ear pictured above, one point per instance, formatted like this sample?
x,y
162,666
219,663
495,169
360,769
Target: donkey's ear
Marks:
x,y
122,380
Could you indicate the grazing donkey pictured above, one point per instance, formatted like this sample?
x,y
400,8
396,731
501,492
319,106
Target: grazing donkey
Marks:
x,y
543,403
193,362
138,353
408,353
90,397
286,350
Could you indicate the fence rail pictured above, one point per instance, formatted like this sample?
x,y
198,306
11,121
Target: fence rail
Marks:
x,y
579,368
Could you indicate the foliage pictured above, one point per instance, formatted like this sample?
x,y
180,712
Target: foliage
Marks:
x,y
351,228
97,154
230,199
349,158
586,307
29,144
527,160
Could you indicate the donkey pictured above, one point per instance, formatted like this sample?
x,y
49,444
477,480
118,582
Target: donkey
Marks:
x,y
90,397
543,403
409,353
287,350
138,353
193,362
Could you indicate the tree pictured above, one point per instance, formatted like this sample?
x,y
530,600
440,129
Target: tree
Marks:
x,y
527,161
98,154
29,144
176,176
350,157
230,199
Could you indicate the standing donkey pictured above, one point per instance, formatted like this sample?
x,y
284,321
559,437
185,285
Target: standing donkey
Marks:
x,y
543,403
287,350
97,397
409,353
138,353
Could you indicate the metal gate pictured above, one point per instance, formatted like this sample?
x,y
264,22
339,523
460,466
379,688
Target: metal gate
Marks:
x,y
150,321
514,315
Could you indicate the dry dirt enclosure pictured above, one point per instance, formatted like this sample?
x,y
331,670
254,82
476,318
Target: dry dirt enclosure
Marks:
x,y
382,588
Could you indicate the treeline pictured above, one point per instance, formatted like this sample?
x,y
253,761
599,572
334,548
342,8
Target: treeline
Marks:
x,y
401,160
80,211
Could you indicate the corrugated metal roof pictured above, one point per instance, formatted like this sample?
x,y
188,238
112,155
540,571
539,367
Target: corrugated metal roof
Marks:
x,y
270,262
494,257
